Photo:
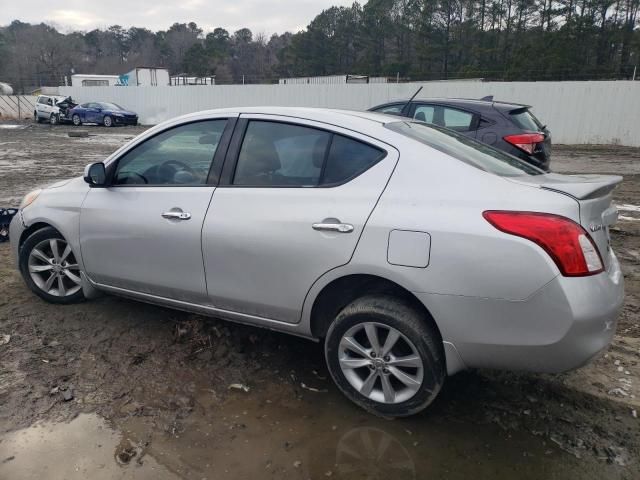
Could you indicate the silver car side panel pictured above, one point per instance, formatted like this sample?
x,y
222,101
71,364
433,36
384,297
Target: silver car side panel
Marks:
x,y
260,251
155,255
271,324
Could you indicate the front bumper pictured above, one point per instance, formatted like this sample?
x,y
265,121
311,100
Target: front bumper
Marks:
x,y
125,120
560,327
15,232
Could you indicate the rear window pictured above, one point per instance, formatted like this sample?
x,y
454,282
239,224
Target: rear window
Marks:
x,y
393,109
524,119
465,149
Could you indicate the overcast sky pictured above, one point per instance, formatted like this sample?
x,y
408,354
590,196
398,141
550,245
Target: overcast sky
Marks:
x,y
267,16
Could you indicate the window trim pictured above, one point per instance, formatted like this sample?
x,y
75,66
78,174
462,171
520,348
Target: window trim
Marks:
x,y
213,176
235,145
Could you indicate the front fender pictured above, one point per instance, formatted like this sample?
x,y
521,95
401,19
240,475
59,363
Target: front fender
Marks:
x,y
60,208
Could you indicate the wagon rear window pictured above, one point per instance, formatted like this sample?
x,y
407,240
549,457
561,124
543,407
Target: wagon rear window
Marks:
x,y
465,149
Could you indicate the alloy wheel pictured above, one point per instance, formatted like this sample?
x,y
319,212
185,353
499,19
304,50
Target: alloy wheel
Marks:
x,y
380,363
54,269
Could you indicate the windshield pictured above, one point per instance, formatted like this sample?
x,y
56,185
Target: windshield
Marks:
x,y
111,106
465,149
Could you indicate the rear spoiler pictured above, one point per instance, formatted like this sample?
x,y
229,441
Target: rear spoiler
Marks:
x,y
581,187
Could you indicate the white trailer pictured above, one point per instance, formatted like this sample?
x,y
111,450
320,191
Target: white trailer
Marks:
x,y
332,80
91,80
147,77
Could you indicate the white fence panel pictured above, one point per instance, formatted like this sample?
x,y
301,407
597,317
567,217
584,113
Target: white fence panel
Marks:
x,y
605,112
17,107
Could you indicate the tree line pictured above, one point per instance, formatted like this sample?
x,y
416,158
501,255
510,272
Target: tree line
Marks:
x,y
407,39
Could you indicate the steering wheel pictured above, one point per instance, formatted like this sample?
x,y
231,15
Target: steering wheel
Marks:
x,y
130,174
168,169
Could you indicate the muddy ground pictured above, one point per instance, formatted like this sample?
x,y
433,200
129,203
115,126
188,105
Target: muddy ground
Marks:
x,y
113,388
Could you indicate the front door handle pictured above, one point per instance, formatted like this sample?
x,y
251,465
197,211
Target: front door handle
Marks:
x,y
173,215
333,227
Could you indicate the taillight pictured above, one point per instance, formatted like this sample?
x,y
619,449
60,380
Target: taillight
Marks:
x,y
525,141
568,244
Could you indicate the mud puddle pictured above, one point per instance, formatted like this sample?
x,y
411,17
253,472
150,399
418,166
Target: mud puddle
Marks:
x,y
275,435
85,448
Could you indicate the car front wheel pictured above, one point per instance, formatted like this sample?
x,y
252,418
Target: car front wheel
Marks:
x,y
385,356
107,121
53,119
50,268
76,120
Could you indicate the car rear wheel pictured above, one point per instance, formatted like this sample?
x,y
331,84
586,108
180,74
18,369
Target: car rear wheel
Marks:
x,y
107,121
385,356
50,268
53,119
76,120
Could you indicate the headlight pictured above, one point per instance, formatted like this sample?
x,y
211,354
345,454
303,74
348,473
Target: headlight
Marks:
x,y
29,198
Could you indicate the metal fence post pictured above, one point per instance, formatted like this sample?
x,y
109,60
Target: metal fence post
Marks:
x,y
19,110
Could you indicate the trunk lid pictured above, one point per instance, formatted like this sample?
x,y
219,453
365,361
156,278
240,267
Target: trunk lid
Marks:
x,y
594,196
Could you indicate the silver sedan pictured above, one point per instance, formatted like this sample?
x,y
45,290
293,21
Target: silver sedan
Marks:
x,y
412,252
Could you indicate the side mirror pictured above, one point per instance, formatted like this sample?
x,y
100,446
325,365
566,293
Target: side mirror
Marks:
x,y
95,175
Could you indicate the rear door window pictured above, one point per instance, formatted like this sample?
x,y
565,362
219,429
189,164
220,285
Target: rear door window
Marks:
x,y
424,113
279,154
457,120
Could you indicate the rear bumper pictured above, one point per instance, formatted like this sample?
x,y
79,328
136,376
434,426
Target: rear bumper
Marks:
x,y
561,327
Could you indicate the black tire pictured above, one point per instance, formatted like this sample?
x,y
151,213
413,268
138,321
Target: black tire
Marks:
x,y
411,323
25,250
76,120
107,121
54,119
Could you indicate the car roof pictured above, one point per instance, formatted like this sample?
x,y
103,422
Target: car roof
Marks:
x,y
324,115
469,102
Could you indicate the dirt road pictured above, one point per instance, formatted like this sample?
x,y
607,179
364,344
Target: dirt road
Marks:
x,y
117,389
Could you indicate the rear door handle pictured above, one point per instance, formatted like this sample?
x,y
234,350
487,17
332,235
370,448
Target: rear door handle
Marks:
x,y
333,227
173,215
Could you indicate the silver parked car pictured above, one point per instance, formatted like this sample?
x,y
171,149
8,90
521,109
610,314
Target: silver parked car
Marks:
x,y
412,251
